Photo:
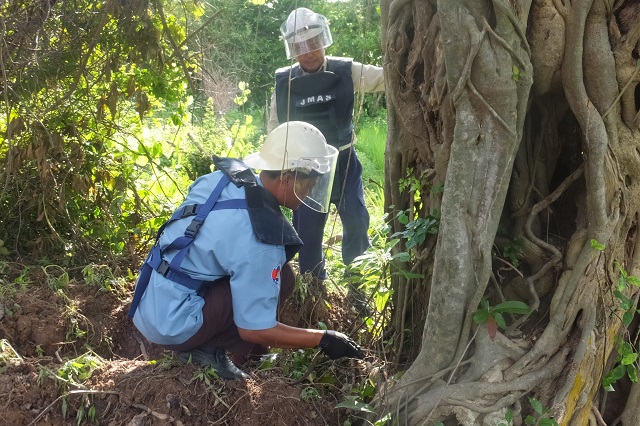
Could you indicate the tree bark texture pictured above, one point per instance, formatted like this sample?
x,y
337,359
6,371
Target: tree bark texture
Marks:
x,y
527,112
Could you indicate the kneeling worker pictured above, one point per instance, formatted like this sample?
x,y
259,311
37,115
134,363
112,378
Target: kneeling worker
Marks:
x,y
220,265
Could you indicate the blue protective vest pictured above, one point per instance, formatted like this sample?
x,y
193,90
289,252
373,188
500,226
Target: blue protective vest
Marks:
x,y
324,99
269,225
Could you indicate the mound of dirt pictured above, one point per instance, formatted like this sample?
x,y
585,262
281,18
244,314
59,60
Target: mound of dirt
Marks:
x,y
72,356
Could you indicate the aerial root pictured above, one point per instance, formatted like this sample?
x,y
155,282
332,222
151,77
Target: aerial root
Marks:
x,y
469,392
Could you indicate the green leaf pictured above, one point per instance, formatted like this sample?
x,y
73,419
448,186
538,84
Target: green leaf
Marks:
x,y
383,421
635,281
607,382
402,257
618,372
625,302
509,416
547,422
625,348
629,359
480,317
515,73
500,320
537,405
357,405
627,318
596,245
512,307
530,420
632,373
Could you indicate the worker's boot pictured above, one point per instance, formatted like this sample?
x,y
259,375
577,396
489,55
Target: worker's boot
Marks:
x,y
215,357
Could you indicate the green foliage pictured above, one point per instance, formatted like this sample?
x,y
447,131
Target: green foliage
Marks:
x,y
57,277
508,417
75,373
103,277
359,402
245,44
113,118
373,268
492,316
354,403
372,138
205,374
512,251
626,304
100,71
626,361
10,286
416,231
517,74
596,245
310,394
297,365
541,416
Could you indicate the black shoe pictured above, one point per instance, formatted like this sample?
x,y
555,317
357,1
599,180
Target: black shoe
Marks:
x,y
216,358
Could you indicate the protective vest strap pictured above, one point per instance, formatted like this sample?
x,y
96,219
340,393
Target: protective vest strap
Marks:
x,y
171,270
269,225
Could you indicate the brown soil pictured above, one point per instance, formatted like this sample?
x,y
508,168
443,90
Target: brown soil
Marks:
x,y
135,383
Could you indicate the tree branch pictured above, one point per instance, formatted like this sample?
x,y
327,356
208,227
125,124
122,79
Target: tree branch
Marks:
x,y
176,48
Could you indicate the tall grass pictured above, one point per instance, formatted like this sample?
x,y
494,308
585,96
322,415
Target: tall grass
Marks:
x,y
372,139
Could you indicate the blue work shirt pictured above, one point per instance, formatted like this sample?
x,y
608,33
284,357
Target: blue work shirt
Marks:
x,y
170,313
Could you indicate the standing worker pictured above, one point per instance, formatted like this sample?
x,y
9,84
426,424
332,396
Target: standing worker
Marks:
x,y
219,268
319,89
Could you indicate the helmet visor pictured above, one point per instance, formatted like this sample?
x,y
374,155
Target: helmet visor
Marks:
x,y
306,39
314,180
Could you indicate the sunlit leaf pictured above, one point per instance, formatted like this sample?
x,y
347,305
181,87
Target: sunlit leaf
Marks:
x,y
596,245
629,359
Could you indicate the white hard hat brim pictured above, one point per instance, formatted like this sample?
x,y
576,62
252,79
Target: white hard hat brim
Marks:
x,y
256,162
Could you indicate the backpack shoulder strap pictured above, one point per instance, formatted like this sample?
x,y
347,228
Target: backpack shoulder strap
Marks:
x,y
171,270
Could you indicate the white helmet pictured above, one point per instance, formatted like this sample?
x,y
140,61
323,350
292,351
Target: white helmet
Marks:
x,y
300,147
305,31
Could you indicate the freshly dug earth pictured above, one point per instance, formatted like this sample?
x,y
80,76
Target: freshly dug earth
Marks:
x,y
71,356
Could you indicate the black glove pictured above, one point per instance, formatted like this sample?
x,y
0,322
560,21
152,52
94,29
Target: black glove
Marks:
x,y
337,345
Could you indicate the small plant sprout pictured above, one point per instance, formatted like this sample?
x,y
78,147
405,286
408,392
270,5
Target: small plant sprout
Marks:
x,y
542,415
492,316
205,375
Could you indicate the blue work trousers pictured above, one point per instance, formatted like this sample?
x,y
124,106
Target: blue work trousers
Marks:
x,y
352,211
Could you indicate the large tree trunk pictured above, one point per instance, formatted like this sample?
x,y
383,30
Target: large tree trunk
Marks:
x,y
535,134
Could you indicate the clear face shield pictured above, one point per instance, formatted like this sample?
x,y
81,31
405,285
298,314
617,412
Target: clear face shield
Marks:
x,y
314,179
305,38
